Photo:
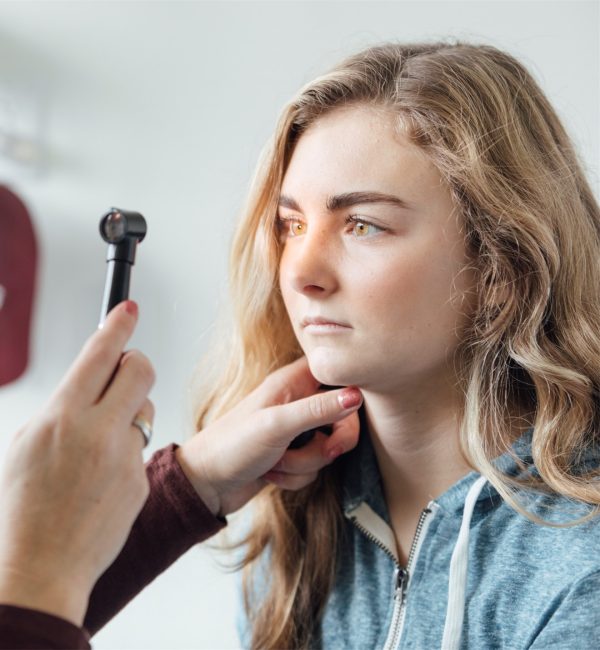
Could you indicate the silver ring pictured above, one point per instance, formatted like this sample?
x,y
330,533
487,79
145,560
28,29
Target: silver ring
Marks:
x,y
145,427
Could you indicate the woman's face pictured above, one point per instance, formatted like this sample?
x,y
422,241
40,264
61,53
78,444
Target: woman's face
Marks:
x,y
372,270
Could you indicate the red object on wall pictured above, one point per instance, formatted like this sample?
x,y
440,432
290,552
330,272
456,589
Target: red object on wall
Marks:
x,y
18,265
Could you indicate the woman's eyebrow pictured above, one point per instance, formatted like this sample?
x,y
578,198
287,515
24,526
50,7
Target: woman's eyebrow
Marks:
x,y
339,201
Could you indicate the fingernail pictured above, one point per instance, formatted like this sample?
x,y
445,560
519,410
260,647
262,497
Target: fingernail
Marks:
x,y
131,307
350,398
334,452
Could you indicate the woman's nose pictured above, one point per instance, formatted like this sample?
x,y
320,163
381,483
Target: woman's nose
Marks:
x,y
308,263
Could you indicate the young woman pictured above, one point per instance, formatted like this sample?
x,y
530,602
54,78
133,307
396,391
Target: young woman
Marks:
x,y
421,228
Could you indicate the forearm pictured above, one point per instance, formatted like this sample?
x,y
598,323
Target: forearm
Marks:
x,y
173,520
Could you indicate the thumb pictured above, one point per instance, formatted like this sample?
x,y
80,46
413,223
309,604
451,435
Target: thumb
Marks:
x,y
286,421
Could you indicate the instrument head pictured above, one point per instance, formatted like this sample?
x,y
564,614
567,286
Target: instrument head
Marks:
x,y
118,225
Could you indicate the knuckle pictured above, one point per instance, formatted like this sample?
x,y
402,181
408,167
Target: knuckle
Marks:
x,y
269,380
94,351
271,384
270,420
317,407
65,420
276,389
141,366
286,395
148,410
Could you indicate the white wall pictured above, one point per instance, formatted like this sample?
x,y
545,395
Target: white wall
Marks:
x,y
162,107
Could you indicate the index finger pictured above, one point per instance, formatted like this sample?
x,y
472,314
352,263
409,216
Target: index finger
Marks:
x,y
93,368
288,420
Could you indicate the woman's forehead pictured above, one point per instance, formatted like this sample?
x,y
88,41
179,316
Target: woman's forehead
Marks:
x,y
359,149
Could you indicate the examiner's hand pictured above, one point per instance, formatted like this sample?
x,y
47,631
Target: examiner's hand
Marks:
x,y
74,477
233,458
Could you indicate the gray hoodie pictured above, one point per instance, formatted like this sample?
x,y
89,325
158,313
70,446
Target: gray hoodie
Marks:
x,y
479,575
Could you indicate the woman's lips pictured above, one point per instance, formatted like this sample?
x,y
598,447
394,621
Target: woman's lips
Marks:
x,y
321,325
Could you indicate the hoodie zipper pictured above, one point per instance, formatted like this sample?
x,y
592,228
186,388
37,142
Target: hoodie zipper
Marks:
x,y
402,579
402,574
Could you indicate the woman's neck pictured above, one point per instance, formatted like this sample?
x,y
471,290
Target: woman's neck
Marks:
x,y
416,441
416,438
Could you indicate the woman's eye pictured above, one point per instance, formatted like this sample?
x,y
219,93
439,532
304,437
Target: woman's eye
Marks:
x,y
364,228
296,228
291,227
359,228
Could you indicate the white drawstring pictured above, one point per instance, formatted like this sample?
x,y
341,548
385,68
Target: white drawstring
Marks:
x,y
457,582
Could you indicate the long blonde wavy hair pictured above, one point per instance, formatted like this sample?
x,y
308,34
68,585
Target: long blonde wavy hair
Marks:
x,y
533,229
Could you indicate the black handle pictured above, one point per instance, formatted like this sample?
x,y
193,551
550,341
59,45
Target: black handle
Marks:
x,y
122,230
116,288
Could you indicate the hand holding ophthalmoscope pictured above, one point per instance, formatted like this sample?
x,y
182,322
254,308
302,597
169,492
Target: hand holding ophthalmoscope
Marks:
x,y
74,479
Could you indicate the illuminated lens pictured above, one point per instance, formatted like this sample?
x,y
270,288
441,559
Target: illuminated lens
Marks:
x,y
114,226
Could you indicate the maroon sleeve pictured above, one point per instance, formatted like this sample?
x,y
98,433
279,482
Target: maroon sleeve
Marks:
x,y
173,520
29,629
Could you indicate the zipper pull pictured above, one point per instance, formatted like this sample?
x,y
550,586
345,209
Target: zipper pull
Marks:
x,y
401,583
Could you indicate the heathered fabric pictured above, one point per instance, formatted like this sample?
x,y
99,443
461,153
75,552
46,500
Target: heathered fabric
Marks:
x,y
528,586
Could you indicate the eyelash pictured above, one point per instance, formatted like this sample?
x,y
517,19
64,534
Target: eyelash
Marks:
x,y
283,223
353,219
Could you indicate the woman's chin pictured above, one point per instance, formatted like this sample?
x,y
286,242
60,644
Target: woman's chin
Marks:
x,y
331,373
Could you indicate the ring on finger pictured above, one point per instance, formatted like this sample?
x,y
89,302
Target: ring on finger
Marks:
x,y
141,423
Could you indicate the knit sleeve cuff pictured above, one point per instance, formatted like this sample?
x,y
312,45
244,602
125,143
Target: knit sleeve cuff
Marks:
x,y
169,483
22,628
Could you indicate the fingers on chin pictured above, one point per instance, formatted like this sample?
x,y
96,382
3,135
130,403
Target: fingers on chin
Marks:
x,y
319,452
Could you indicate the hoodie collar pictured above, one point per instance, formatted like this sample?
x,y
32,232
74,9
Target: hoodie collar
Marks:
x,y
361,479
